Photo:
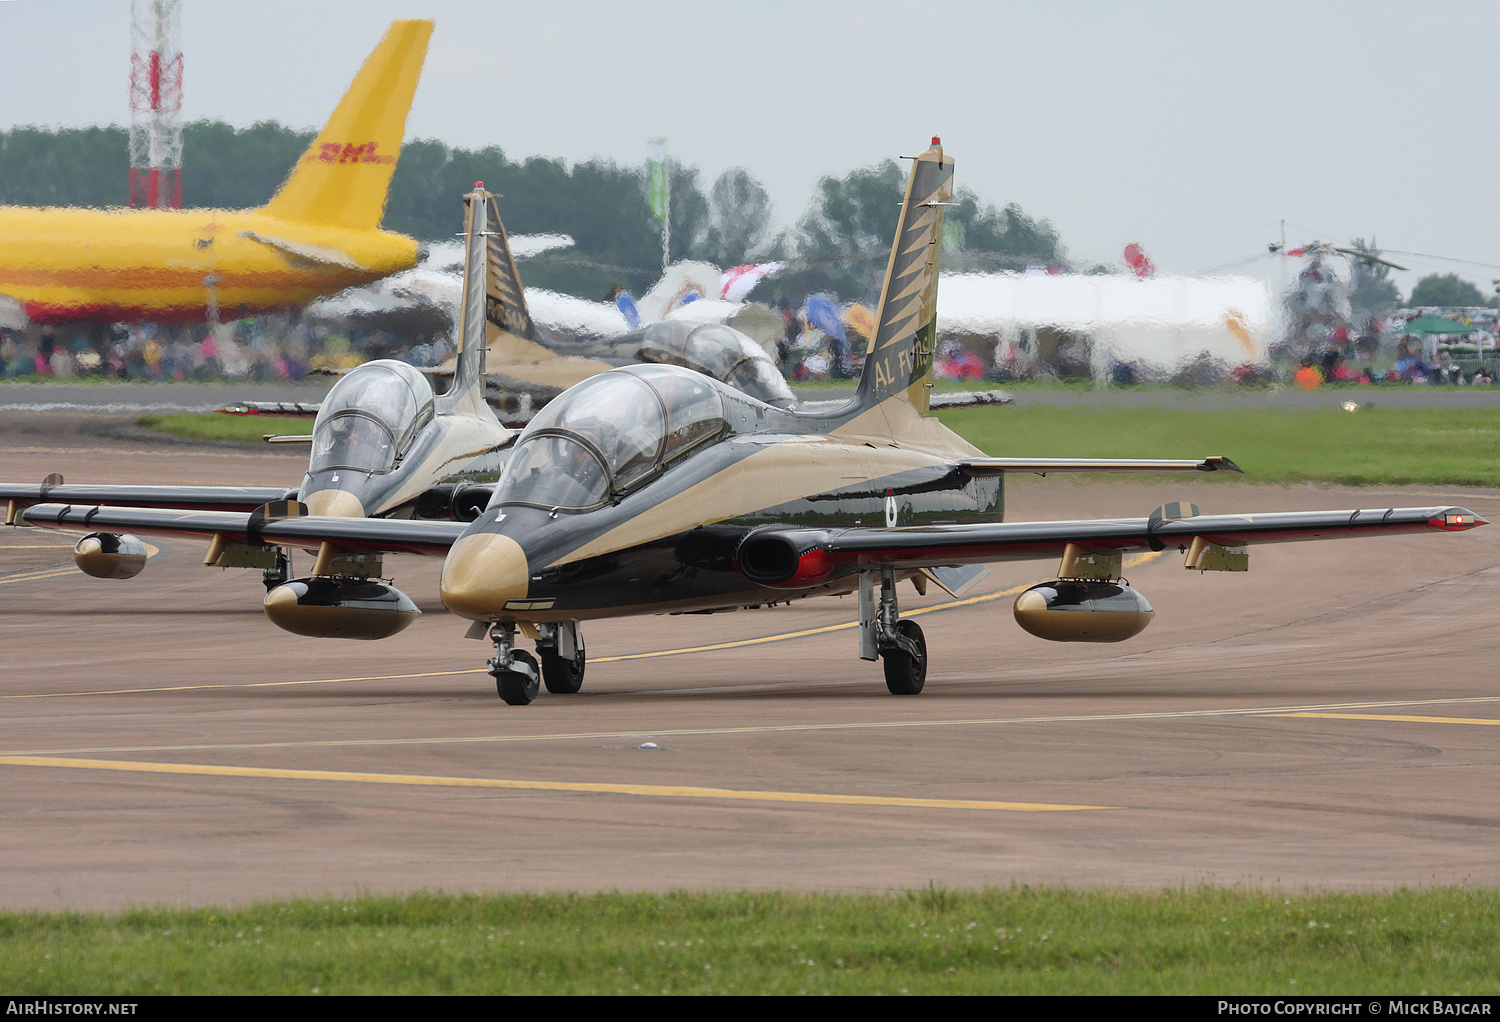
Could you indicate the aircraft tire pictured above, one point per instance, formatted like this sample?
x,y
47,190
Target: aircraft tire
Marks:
x,y
562,676
906,674
516,688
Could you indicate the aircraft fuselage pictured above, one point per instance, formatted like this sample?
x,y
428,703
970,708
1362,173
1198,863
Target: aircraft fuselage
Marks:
x,y
121,264
670,544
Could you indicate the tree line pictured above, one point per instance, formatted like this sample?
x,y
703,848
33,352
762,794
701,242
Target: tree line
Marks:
x,y
839,245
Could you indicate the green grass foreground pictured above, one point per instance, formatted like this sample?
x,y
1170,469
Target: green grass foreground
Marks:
x,y
1017,940
218,426
1370,446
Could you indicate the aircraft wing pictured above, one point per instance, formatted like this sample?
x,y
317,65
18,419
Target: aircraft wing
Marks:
x,y
778,556
355,535
1041,466
195,498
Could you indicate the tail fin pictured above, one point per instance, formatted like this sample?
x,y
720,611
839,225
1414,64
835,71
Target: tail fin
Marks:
x,y
510,335
505,301
343,177
898,366
466,393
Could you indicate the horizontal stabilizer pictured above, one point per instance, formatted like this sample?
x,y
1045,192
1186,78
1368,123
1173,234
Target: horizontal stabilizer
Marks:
x,y
299,251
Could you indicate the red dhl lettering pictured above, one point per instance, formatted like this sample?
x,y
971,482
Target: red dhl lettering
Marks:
x,y
351,152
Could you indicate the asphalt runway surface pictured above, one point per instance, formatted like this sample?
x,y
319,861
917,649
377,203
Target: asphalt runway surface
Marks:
x,y
1329,719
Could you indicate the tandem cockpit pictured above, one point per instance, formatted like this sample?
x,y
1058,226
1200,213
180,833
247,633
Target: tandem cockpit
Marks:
x,y
609,435
715,350
370,418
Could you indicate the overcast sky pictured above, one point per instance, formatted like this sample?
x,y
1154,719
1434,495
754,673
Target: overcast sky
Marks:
x,y
1191,128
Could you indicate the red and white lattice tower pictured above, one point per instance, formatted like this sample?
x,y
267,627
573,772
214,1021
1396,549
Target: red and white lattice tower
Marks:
x,y
155,104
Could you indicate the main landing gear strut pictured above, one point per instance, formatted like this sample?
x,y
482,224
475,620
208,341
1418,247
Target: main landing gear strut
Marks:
x,y
882,634
518,677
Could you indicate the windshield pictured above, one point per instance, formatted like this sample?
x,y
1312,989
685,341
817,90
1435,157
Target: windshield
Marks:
x,y
353,440
370,417
553,470
609,434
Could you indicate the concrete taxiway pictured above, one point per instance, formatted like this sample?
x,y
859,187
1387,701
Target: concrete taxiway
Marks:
x,y
1330,719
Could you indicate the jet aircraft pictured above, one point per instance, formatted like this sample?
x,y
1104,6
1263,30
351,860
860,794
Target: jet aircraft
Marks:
x,y
383,445
319,234
653,489
525,352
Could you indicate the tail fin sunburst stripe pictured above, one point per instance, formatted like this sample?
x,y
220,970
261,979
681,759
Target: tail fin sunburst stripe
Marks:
x,y
899,363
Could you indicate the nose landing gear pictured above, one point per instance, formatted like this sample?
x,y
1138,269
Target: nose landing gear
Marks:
x,y
518,678
515,671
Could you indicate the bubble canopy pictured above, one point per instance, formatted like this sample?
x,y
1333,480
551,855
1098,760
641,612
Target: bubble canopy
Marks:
x,y
609,434
370,417
718,350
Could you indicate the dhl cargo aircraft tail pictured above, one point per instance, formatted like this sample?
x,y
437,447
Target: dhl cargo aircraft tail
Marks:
x,y
318,235
343,178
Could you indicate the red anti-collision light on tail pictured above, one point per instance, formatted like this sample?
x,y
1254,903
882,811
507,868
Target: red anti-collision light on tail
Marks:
x,y
478,185
936,141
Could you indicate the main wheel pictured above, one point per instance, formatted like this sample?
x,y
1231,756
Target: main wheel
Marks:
x,y
516,687
905,674
563,676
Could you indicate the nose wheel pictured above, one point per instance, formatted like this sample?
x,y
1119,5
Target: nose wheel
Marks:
x,y
519,684
517,678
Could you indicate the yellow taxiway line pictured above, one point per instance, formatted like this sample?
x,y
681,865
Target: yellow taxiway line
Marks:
x,y
645,790
37,574
1397,717
1271,712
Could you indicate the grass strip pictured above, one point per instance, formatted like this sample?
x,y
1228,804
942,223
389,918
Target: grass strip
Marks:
x,y
1372,446
218,426
1016,940
1369,447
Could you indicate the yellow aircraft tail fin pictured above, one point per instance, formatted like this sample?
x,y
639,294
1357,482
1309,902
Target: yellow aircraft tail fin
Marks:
x,y
899,363
343,177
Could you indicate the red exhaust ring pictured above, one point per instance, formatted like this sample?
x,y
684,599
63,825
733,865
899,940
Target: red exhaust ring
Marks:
x,y
775,563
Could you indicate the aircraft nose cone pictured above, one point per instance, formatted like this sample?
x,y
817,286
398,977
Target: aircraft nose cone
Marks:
x,y
481,572
335,504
